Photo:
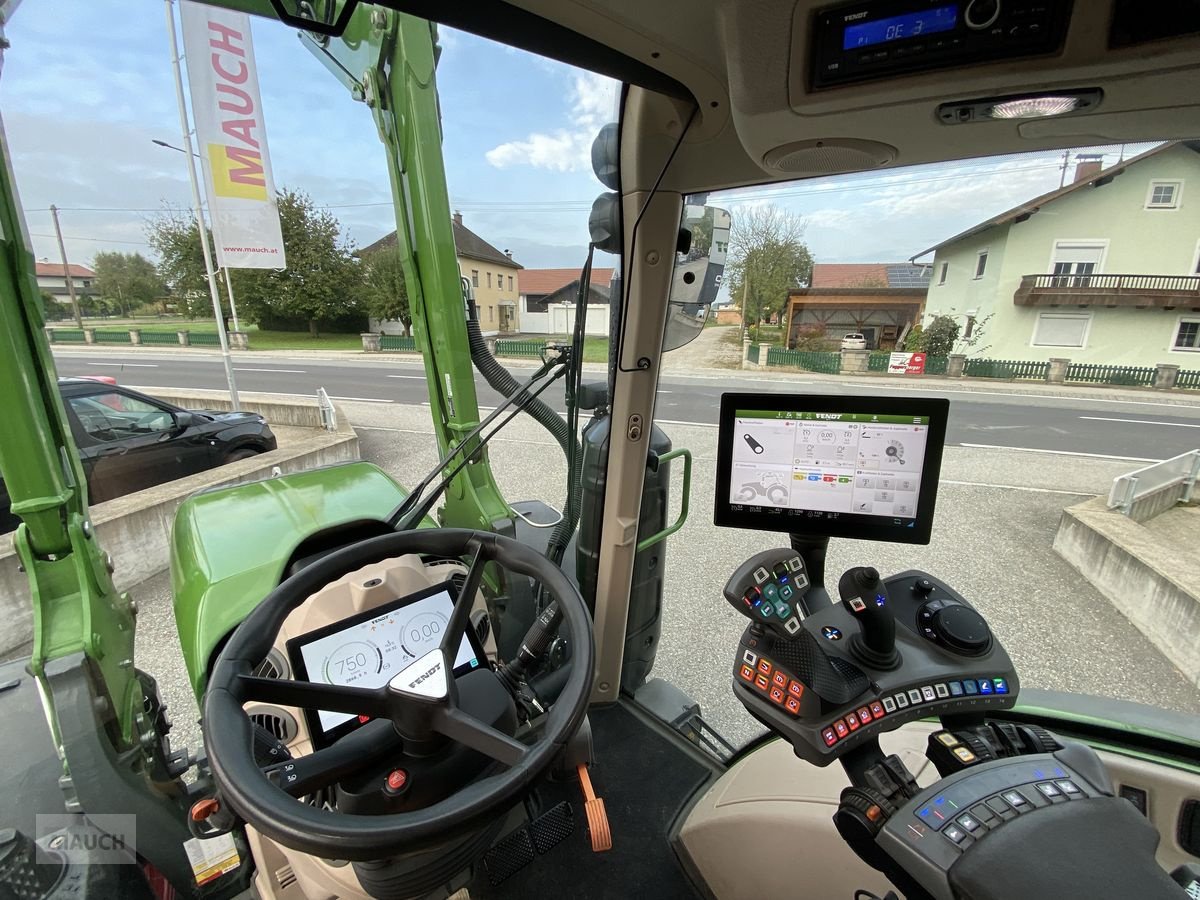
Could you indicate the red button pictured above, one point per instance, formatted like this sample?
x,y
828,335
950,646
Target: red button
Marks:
x,y
780,679
363,720
840,727
864,715
397,779
852,721
747,673
796,689
877,710
793,706
829,737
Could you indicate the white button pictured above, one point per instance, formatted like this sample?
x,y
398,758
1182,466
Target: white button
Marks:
x,y
794,564
857,604
889,705
749,658
800,582
761,575
792,625
901,700
928,693
942,690
915,696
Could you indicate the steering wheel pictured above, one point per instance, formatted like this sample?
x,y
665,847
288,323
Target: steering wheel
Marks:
x,y
419,704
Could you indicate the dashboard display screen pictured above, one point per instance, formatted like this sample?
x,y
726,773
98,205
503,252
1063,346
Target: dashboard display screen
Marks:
x,y
896,28
851,466
368,649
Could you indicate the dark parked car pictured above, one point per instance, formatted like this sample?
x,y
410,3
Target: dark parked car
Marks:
x,y
129,441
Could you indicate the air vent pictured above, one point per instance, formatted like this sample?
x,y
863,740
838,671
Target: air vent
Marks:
x,y
829,157
278,723
274,666
285,877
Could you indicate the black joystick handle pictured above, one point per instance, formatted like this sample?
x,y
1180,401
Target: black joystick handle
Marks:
x,y
866,598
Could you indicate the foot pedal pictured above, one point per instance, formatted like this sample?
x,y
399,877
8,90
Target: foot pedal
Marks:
x,y
552,827
509,856
597,818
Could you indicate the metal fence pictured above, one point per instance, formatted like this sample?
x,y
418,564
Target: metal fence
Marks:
x,y
1005,368
530,349
752,358
1145,492
936,365
1188,378
813,361
397,342
74,335
112,337
160,337
878,361
1098,374
204,339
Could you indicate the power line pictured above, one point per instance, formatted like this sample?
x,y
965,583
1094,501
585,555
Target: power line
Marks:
x,y
78,237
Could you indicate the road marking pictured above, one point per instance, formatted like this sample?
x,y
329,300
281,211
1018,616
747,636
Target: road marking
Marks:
x,y
1015,487
1059,452
421,377
664,392
1140,422
361,399
697,424
126,365
285,371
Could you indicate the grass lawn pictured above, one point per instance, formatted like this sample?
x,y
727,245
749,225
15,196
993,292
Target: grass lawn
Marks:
x,y
595,349
259,340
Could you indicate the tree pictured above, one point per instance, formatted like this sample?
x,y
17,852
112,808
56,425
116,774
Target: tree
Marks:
x,y
127,279
767,258
938,337
384,290
322,283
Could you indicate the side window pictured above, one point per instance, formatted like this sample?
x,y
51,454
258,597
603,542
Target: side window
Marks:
x,y
981,264
942,273
1163,195
115,416
475,277
510,282
489,275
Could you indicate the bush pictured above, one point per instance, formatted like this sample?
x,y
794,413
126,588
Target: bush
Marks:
x,y
912,343
939,338
816,342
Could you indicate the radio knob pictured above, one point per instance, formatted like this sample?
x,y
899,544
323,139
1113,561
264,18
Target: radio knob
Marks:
x,y
981,13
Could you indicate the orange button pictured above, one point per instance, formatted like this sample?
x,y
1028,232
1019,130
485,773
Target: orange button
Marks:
x,y
874,814
852,721
747,673
777,695
780,679
864,715
796,689
877,710
764,667
793,706
762,683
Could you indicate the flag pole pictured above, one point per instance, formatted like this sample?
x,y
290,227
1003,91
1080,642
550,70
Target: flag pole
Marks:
x,y
203,230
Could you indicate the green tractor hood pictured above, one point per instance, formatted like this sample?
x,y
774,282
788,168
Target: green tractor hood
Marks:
x,y
231,546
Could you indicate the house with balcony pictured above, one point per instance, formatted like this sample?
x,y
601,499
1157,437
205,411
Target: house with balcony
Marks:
x,y
1106,269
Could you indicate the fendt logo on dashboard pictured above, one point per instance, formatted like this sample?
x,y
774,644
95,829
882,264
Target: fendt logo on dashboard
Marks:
x,y
436,668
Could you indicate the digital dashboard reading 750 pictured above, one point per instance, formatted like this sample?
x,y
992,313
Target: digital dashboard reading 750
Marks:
x,y
838,466
366,650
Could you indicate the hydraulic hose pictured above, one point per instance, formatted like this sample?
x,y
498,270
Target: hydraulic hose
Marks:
x,y
499,379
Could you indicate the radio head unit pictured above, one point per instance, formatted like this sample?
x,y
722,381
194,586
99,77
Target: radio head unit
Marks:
x,y
880,38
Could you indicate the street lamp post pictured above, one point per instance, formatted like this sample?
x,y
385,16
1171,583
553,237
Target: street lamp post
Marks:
x,y
228,283
208,263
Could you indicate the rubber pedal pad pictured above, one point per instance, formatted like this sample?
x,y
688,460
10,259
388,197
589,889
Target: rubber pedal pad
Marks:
x,y
552,827
509,856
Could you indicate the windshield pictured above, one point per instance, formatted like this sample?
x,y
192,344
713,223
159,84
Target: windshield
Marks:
x,y
1052,297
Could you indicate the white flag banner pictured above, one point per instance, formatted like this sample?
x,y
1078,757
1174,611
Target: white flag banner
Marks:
x,y
232,139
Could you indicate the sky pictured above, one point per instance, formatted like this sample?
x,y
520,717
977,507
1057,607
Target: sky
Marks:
x,y
84,93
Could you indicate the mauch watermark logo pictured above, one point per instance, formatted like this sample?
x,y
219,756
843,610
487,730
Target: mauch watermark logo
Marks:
x,y
106,840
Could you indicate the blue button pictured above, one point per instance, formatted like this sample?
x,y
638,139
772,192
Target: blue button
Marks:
x,y
833,634
1001,685
985,686
880,599
956,689
970,687
785,592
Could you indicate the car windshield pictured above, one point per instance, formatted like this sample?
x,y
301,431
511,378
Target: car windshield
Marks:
x,y
1053,297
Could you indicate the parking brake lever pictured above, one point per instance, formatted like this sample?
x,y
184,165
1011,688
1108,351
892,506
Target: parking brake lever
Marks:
x,y
865,597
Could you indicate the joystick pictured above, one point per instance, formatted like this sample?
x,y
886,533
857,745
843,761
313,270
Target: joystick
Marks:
x,y
865,597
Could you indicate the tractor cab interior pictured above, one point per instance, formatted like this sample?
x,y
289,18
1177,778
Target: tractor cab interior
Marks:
x,y
451,693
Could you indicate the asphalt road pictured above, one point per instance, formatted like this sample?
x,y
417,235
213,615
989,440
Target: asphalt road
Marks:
x,y
1090,426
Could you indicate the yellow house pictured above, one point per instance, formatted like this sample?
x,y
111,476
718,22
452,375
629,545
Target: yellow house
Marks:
x,y
493,275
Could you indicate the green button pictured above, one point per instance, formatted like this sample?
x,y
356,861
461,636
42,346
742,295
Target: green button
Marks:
x,y
766,610
782,608
785,592
771,592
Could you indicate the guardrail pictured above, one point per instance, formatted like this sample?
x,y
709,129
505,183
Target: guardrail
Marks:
x,y
1150,490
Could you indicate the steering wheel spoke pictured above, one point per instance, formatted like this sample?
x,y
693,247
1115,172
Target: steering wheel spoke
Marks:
x,y
304,774
314,695
460,617
465,729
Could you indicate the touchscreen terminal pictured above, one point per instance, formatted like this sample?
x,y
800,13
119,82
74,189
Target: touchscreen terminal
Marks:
x,y
859,467
367,649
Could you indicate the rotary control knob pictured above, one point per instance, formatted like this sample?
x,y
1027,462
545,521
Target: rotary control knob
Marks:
x,y
956,627
981,13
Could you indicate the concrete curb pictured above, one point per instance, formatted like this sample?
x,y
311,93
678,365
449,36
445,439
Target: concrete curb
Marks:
x,y
136,529
1152,584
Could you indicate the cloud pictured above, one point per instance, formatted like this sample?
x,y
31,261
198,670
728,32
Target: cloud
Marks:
x,y
592,101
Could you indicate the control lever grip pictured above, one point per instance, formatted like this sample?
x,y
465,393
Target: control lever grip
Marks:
x,y
866,598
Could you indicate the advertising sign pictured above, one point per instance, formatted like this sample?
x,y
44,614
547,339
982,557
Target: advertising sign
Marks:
x,y
906,364
232,138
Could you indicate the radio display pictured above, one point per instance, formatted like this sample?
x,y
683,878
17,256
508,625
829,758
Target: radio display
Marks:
x,y
895,28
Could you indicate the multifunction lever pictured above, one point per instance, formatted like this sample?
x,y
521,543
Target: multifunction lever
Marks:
x,y
865,597
769,588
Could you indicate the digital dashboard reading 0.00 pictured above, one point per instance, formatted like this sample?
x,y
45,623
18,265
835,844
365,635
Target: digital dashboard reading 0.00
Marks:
x,y
367,653
895,28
